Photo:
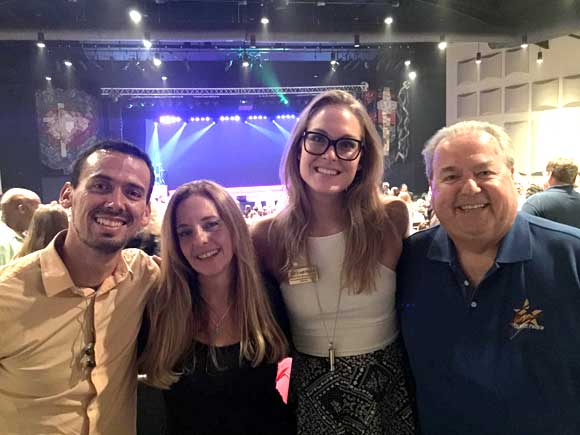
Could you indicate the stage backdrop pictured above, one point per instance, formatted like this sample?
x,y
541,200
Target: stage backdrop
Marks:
x,y
231,153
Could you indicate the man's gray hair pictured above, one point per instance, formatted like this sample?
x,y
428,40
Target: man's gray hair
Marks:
x,y
467,127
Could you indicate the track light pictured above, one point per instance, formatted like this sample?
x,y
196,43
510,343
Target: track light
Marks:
x,y
478,57
524,41
265,20
333,61
356,41
540,58
442,43
157,60
147,41
48,78
68,63
245,60
40,43
164,78
408,63
389,20
135,16
412,75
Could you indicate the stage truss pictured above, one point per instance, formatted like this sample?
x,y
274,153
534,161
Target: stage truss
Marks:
x,y
116,93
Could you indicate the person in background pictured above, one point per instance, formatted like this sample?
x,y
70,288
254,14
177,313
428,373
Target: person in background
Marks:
x,y
18,206
47,221
334,249
70,313
214,341
559,202
489,300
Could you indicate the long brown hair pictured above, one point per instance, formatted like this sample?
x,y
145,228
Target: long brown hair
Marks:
x,y
47,221
177,309
362,200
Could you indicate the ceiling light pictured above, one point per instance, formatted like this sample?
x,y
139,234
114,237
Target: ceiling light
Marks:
x,y
40,40
333,61
48,78
135,16
389,20
412,75
356,41
147,41
442,43
524,43
245,61
265,20
408,63
157,60
478,57
164,78
540,58
68,63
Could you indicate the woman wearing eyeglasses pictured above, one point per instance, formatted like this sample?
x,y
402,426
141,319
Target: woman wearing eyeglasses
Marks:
x,y
214,342
334,249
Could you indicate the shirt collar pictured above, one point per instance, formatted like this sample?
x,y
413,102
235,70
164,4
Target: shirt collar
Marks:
x,y
516,246
567,187
55,275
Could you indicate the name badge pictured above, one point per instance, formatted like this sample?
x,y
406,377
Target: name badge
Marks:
x,y
302,275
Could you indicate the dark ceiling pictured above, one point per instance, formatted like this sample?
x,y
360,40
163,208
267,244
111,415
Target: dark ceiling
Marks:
x,y
304,20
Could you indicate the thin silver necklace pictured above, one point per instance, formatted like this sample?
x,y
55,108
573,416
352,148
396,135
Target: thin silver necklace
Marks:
x,y
218,325
331,342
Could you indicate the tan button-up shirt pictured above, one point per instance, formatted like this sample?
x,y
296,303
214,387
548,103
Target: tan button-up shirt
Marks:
x,y
46,323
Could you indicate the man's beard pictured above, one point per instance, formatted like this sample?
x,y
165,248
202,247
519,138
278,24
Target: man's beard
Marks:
x,y
105,246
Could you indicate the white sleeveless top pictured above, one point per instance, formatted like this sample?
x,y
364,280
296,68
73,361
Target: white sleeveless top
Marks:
x,y
366,322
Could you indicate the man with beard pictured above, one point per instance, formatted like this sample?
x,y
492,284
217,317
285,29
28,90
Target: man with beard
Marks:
x,y
70,313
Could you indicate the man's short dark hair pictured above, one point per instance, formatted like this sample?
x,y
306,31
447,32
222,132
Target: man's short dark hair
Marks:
x,y
118,146
563,170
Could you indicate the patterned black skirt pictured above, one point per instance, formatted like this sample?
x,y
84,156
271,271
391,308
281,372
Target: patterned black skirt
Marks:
x,y
366,394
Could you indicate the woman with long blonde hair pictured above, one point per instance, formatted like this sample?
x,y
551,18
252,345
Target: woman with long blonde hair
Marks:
x,y
334,249
214,342
47,221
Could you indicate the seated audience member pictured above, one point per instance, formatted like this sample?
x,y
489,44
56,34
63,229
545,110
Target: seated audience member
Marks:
x,y
17,206
214,342
70,313
489,300
147,239
559,202
47,222
533,189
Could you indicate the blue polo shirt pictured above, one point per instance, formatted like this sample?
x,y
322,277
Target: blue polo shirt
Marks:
x,y
502,358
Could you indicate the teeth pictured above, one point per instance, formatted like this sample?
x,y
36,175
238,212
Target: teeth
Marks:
x,y
208,254
108,222
327,171
471,206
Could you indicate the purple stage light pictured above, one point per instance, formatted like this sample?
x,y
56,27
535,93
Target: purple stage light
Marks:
x,y
222,118
236,118
169,119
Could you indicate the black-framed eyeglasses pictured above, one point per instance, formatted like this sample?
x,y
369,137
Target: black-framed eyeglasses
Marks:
x,y
345,148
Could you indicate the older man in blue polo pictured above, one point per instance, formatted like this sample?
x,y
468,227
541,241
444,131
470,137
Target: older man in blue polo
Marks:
x,y
489,301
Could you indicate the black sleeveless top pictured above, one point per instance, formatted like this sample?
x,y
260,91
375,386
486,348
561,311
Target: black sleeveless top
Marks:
x,y
230,399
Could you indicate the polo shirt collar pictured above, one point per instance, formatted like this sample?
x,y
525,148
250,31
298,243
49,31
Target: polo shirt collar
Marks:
x,y
516,246
55,275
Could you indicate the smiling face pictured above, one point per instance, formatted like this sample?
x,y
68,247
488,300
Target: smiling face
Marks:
x,y
473,191
327,174
109,203
204,239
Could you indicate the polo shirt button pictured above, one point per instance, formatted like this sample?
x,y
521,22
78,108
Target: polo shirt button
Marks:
x,y
473,304
466,283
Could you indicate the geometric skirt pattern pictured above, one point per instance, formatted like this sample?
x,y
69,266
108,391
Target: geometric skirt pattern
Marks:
x,y
367,394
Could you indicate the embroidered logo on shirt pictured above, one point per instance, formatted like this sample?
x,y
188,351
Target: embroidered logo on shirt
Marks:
x,y
525,318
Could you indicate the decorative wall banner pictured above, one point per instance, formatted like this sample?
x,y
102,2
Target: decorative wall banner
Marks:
x,y
67,124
